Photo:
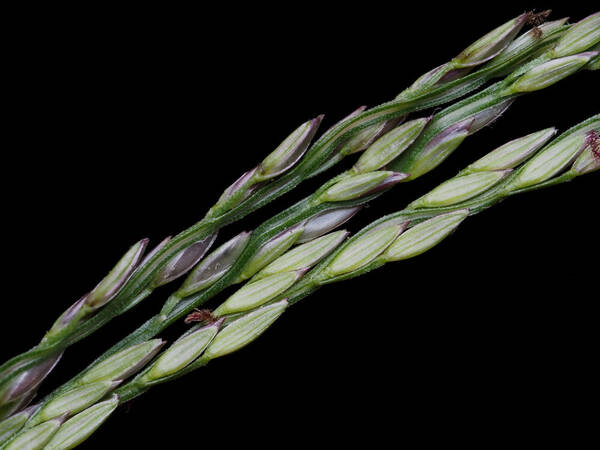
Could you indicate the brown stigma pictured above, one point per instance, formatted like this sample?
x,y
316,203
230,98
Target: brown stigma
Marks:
x,y
536,19
200,315
593,140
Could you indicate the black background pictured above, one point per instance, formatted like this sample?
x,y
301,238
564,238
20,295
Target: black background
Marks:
x,y
129,124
